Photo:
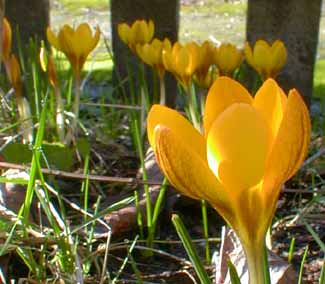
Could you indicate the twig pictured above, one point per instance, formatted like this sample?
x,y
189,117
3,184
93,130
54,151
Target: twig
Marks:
x,y
128,180
120,106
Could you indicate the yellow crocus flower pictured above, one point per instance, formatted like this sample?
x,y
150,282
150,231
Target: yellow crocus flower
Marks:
x,y
140,32
76,44
6,40
228,58
204,75
207,81
266,59
249,148
151,54
182,61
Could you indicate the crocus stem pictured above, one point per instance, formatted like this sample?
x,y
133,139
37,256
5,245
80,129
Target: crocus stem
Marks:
x,y
76,103
162,90
255,262
191,106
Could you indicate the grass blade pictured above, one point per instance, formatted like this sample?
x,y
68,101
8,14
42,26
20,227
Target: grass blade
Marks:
x,y
191,252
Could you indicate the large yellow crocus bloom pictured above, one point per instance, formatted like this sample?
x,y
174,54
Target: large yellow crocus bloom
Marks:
x,y
249,148
266,59
75,44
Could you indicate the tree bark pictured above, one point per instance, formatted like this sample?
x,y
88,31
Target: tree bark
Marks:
x,y
164,13
296,23
29,17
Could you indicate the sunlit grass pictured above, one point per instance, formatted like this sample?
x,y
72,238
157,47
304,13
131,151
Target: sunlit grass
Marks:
x,y
220,7
77,4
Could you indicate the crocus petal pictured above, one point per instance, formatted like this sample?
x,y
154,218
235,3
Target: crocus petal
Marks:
x,y
223,93
170,118
123,31
290,145
262,54
84,37
185,169
96,38
249,54
52,38
238,144
270,100
6,39
279,55
151,30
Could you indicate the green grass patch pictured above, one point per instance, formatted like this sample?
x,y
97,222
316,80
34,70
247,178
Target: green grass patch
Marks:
x,y
77,4
319,79
232,9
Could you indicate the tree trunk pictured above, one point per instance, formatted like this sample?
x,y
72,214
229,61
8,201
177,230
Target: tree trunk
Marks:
x,y
296,23
29,17
164,13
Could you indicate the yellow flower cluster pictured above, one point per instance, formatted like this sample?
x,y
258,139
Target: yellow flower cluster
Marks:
x,y
200,62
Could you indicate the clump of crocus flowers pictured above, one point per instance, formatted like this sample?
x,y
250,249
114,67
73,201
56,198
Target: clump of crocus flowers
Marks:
x,y
248,149
199,62
76,44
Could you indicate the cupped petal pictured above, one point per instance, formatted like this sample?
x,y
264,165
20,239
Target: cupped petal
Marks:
x,y
151,30
183,61
249,54
95,39
84,37
6,39
53,39
161,115
186,170
238,144
270,101
290,146
124,31
223,93
262,55
279,56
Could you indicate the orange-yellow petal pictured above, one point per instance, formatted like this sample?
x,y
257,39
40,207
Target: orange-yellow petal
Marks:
x,y
262,55
185,169
6,39
84,36
223,93
52,38
238,144
161,115
290,145
249,54
270,101
279,55
123,31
